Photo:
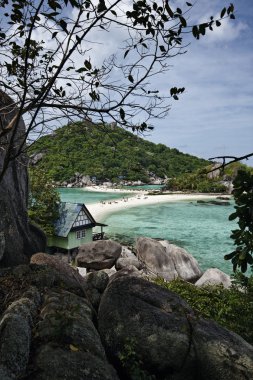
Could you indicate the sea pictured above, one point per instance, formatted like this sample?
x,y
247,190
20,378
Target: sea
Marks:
x,y
202,229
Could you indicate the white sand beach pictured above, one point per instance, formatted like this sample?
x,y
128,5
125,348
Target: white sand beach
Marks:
x,y
100,210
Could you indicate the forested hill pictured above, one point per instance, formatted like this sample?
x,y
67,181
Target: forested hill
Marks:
x,y
108,153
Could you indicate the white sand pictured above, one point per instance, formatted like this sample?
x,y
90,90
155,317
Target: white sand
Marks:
x,y
100,210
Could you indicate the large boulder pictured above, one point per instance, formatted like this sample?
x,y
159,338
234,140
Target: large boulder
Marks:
x,y
221,354
68,344
63,272
138,317
126,259
18,239
214,276
167,260
16,333
99,254
150,331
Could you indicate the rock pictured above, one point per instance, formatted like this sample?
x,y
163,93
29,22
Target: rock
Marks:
x,y
150,331
131,270
95,284
110,271
213,202
125,263
15,334
68,365
82,271
167,260
127,258
36,157
148,326
214,276
98,255
70,346
221,354
18,239
63,272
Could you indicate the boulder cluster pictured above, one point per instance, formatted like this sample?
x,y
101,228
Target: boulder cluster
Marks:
x,y
57,324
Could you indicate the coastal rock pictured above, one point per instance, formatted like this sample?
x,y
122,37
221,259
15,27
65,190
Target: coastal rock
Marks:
x,y
151,322
95,284
70,344
221,354
126,259
18,239
63,271
167,260
98,255
150,331
214,276
15,334
130,270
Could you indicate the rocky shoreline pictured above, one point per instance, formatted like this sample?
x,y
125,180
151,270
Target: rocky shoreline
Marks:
x,y
57,324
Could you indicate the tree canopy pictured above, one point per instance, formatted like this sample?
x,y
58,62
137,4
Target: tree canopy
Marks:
x,y
115,154
57,63
43,200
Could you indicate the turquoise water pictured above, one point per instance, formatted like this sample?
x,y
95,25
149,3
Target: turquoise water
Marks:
x,y
144,187
203,230
87,197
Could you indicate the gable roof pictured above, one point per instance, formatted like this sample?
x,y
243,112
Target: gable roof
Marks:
x,y
68,212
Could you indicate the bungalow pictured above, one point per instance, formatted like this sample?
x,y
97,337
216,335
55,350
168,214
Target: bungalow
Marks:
x,y
73,228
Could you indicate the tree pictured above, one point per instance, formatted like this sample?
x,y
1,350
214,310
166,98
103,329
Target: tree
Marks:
x,y
49,52
242,256
43,201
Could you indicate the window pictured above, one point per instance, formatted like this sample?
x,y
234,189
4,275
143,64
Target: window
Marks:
x,y
80,234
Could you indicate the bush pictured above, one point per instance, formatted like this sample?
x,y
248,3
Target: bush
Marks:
x,y
231,308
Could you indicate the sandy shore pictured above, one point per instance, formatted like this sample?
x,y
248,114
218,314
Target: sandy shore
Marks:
x,y
100,210
105,189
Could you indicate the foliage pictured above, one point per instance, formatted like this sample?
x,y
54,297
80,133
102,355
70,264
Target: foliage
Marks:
x,y
231,308
66,75
196,181
43,200
242,256
114,154
131,363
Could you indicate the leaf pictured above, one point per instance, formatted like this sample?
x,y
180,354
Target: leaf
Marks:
x,y
126,52
114,13
183,21
87,64
218,23
122,113
63,25
233,216
232,16
223,12
73,348
230,255
189,4
162,48
130,78
195,32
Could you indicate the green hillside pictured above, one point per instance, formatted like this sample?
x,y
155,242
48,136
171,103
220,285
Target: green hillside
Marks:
x,y
109,152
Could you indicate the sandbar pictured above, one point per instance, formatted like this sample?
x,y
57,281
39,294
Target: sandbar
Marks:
x,y
102,209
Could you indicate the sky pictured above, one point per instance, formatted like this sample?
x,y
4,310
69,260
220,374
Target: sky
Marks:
x,y
214,117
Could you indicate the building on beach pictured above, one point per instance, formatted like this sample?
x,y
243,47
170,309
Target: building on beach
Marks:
x,y
73,228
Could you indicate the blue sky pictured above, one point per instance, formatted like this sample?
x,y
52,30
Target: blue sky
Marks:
x,y
215,114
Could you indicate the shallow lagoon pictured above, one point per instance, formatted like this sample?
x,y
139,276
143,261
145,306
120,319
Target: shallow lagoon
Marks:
x,y
203,230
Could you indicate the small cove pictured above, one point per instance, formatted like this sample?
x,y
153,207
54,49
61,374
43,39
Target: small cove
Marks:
x,y
202,229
